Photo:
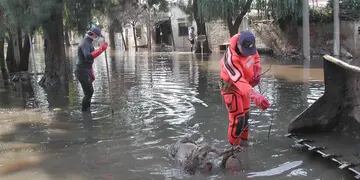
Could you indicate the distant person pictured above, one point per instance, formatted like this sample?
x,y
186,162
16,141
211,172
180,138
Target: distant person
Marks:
x,y
84,70
240,72
191,38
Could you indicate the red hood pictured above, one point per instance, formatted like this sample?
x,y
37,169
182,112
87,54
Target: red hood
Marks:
x,y
233,42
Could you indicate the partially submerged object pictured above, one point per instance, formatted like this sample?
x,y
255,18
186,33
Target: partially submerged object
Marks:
x,y
333,121
339,107
195,157
322,151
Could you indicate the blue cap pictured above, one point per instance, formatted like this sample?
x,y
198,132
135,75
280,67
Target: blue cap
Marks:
x,y
247,43
96,30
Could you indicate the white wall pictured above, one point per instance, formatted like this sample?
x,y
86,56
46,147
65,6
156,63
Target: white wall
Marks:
x,y
178,16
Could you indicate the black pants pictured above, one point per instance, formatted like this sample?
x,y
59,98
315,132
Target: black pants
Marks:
x,y
87,86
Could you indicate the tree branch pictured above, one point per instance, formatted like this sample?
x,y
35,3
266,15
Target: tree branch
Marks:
x,y
244,10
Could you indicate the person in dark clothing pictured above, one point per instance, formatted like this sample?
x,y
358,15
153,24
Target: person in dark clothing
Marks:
x,y
84,70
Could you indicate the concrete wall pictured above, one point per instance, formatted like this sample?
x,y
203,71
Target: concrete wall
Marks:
x,y
321,37
218,34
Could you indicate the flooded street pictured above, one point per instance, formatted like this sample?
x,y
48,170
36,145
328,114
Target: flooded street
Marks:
x,y
157,99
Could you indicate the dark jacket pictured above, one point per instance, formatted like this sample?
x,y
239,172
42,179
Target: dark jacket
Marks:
x,y
85,60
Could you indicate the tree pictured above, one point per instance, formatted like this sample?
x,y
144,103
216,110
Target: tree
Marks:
x,y
133,13
192,9
231,11
55,61
18,25
153,7
112,10
262,8
121,20
3,67
286,12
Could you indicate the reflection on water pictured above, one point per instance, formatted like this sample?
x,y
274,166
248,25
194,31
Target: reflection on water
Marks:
x,y
157,99
276,171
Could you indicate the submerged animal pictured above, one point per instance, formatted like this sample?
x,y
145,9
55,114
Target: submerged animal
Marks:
x,y
195,157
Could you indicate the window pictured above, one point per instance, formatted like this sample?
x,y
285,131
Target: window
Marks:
x,y
183,29
138,32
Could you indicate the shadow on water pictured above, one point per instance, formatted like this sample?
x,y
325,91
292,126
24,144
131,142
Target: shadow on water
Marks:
x,y
157,98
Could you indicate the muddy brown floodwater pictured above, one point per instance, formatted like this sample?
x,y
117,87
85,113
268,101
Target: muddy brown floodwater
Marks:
x,y
157,98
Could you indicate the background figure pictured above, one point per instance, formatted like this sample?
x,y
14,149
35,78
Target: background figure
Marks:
x,y
191,37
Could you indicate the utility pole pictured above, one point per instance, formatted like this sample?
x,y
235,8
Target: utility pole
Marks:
x,y
306,30
336,29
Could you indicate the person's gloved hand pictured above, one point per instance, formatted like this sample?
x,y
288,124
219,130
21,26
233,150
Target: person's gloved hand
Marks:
x,y
103,46
256,78
260,101
98,51
255,81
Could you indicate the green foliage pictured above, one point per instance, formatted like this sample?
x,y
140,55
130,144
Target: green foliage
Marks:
x,y
27,15
214,10
77,15
2,23
187,7
321,15
262,7
161,5
349,9
284,11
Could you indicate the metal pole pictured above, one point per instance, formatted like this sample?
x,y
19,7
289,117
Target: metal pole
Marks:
x,y
306,30
336,29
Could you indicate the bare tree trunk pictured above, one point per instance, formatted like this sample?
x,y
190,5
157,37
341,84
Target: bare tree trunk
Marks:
x,y
306,30
123,40
55,62
16,49
201,30
149,36
135,39
25,54
10,59
67,38
234,26
172,37
4,71
112,37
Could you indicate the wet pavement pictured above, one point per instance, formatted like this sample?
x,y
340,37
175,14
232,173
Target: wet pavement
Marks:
x,y
157,99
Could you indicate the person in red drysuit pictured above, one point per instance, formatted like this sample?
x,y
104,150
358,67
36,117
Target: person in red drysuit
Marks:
x,y
240,72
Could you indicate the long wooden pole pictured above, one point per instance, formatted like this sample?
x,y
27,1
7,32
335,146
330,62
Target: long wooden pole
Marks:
x,y
108,78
